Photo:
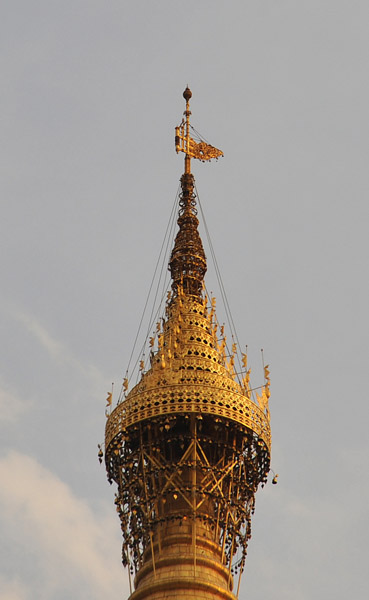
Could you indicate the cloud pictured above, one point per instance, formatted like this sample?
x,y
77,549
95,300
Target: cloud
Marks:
x,y
60,531
57,351
11,407
12,590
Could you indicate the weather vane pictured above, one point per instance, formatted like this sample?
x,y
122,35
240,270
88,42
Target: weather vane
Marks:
x,y
185,143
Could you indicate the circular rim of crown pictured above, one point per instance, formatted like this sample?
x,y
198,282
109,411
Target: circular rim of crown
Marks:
x,y
196,382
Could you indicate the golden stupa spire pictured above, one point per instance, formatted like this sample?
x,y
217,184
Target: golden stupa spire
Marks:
x,y
188,446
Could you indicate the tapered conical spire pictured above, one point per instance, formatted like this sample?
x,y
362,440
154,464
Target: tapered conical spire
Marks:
x,y
188,262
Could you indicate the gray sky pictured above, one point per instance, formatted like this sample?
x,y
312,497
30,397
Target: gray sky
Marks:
x,y
91,92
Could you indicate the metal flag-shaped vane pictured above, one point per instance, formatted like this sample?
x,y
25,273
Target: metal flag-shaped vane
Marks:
x,y
184,143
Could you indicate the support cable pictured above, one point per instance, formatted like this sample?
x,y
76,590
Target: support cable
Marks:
x,y
220,282
166,237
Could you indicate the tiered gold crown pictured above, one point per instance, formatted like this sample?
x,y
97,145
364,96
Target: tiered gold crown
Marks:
x,y
191,372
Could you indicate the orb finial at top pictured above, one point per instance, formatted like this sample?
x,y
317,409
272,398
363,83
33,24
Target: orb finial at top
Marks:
x,y
187,94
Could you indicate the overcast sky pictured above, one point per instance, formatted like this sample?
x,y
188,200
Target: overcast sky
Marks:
x,y
91,92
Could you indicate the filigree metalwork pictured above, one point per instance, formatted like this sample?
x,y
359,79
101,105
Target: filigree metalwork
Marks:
x,y
187,262
180,466
200,150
